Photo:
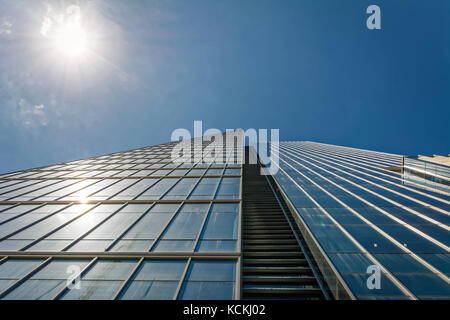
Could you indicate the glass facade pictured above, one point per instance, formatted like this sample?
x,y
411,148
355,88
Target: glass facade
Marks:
x,y
139,225
356,214
129,225
430,174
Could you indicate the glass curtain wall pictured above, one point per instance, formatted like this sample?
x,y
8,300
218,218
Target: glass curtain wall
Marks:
x,y
361,219
128,225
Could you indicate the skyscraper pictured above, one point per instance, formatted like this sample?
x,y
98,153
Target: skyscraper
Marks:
x,y
129,225
139,225
360,212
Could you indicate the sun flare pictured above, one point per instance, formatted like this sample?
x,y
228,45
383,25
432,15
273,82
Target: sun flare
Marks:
x,y
71,41
67,34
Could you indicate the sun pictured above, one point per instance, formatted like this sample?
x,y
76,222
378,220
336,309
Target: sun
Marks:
x,y
72,41
66,33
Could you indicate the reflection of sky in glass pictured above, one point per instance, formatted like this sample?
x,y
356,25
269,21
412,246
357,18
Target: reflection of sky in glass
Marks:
x,y
363,215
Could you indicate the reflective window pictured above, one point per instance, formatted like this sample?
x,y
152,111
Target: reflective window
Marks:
x,y
174,245
161,270
112,190
108,204
135,190
229,188
217,246
181,190
205,188
356,178
187,223
209,280
13,269
149,226
114,226
158,189
102,281
221,225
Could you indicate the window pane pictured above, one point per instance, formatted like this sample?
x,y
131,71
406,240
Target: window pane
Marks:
x,y
13,245
207,291
216,246
135,208
80,226
187,222
114,226
186,225
44,226
112,190
59,269
149,226
26,219
196,172
110,270
161,270
93,290
65,191
181,189
36,290
204,189
214,172
221,225
158,189
90,246
150,290
132,246
232,171
85,192
212,271
18,223
174,245
425,284
16,268
19,209
229,188
358,285
226,207
49,245
135,190
28,189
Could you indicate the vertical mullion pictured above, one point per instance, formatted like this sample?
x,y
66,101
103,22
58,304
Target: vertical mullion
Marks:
x,y
35,222
208,213
238,286
24,277
209,206
81,273
150,186
43,195
122,190
165,227
22,214
75,241
59,227
29,185
94,192
168,190
16,182
142,215
178,209
128,279
183,276
119,171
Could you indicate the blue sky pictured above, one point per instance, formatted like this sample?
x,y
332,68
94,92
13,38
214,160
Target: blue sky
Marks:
x,y
310,68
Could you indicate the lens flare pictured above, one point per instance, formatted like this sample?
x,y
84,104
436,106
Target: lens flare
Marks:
x,y
71,41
